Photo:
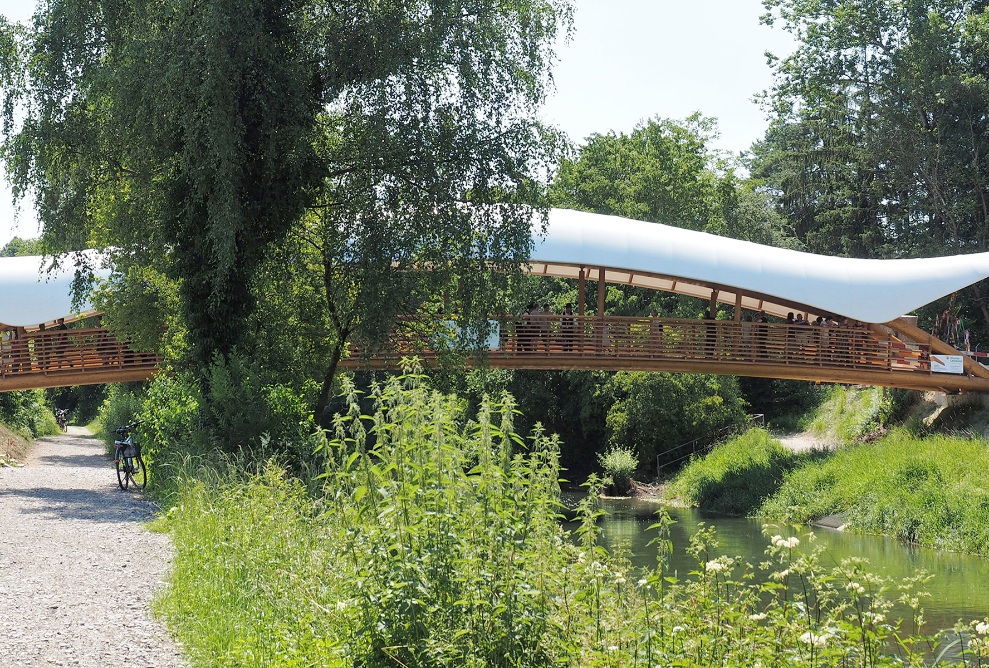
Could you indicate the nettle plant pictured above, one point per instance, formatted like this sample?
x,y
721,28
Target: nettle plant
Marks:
x,y
435,540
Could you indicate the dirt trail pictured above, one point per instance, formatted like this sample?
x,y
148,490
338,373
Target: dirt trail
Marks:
x,y
77,566
804,441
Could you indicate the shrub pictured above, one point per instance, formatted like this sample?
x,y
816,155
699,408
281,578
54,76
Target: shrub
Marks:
x,y
737,476
436,542
619,465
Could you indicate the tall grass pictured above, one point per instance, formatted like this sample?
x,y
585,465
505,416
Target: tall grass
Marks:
x,y
846,415
931,491
435,541
737,476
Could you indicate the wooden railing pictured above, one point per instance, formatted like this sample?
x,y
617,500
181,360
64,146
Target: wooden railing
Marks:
x,y
49,358
674,339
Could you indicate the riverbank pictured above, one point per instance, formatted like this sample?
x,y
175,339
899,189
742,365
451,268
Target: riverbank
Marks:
x,y
924,489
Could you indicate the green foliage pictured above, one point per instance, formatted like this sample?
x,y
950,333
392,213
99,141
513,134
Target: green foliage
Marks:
x,y
82,401
879,143
18,247
653,413
436,542
923,490
784,403
846,415
28,412
242,407
737,476
226,151
619,465
123,405
664,171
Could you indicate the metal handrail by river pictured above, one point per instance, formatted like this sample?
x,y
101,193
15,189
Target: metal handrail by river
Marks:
x,y
959,589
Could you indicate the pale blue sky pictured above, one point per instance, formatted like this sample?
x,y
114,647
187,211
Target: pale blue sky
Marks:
x,y
628,60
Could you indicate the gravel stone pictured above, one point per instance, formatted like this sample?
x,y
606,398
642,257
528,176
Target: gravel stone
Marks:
x,y
78,568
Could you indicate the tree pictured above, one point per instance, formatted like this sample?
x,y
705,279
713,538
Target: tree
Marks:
x,y
198,136
880,136
17,247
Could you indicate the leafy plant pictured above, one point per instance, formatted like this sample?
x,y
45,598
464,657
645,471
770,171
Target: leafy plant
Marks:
x,y
619,466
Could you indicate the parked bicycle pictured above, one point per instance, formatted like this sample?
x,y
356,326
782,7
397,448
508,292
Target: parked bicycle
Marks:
x,y
62,418
127,459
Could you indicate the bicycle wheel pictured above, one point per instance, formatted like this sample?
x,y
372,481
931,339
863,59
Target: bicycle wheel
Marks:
x,y
121,463
137,472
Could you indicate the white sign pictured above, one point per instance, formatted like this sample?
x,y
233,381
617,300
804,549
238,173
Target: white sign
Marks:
x,y
947,364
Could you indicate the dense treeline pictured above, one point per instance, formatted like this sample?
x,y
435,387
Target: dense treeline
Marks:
x,y
268,200
270,180
878,145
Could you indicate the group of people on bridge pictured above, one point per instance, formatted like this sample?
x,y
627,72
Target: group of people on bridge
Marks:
x,y
823,341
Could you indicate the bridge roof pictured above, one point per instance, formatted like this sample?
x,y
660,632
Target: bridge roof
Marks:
x,y
777,280
29,296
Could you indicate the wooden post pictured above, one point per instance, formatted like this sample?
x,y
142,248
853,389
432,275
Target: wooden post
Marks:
x,y
581,290
738,307
713,311
602,337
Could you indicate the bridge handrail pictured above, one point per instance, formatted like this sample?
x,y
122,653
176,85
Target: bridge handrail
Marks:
x,y
841,347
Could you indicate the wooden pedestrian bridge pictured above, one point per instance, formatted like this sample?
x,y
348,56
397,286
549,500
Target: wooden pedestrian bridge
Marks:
x,y
863,354
751,288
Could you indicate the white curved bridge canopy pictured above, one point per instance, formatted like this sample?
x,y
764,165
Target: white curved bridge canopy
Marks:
x,y
641,254
30,296
776,280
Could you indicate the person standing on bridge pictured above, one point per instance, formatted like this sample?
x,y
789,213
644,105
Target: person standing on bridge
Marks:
x,y
760,334
655,334
568,329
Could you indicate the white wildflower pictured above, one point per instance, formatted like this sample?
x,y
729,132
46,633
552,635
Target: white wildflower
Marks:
x,y
982,628
714,566
341,605
757,616
855,587
815,639
643,582
677,629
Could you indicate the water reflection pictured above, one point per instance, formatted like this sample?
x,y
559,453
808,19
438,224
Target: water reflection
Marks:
x,y
959,588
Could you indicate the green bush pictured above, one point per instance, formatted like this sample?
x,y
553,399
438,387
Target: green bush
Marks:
x,y
27,412
619,465
122,406
655,412
737,476
436,542
923,490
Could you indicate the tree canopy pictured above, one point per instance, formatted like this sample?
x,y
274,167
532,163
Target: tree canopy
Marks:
x,y
201,140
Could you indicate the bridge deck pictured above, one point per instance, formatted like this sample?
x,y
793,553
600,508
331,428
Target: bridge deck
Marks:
x,y
857,355
59,358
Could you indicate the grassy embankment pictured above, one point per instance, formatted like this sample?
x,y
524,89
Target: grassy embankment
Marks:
x,y
13,447
927,489
432,540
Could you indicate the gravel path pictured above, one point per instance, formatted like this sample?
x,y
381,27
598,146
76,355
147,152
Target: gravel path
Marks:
x,y
77,567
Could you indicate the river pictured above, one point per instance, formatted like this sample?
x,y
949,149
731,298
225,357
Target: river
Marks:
x,y
959,588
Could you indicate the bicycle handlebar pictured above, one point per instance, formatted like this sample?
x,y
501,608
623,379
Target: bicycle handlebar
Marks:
x,y
127,428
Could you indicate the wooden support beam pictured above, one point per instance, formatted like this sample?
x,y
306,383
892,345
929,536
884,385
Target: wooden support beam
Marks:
x,y
738,306
581,290
601,291
937,346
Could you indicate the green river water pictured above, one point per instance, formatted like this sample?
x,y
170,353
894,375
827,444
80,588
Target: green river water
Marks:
x,y
959,588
